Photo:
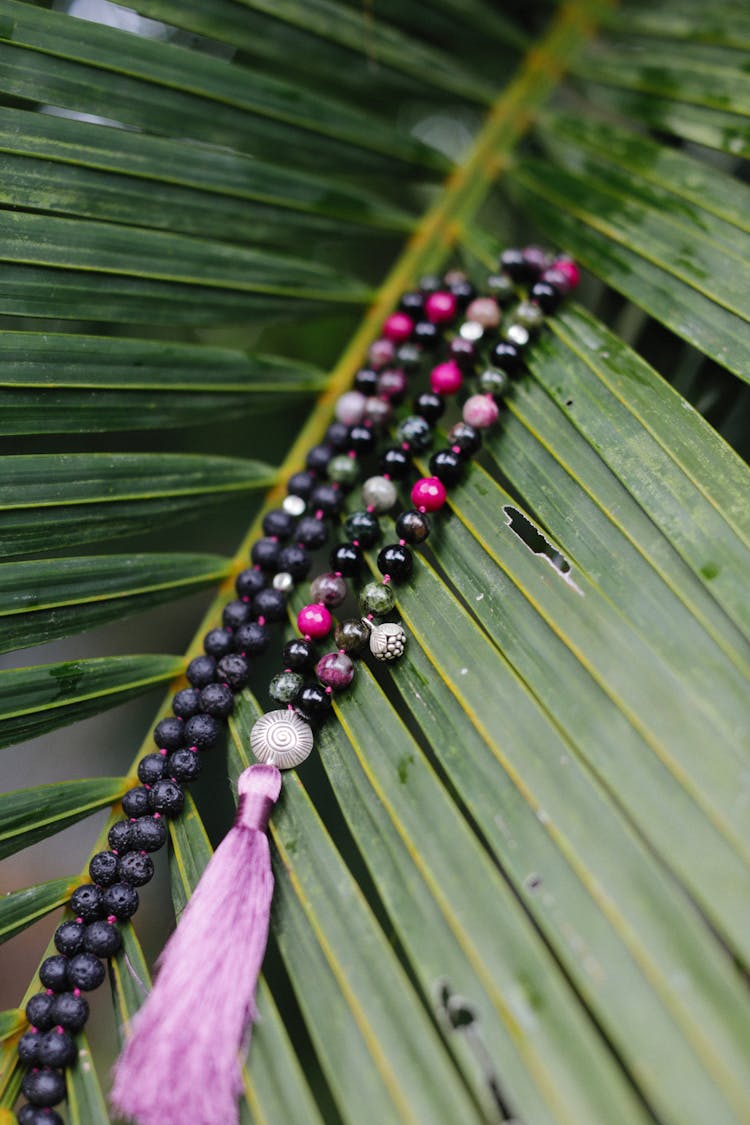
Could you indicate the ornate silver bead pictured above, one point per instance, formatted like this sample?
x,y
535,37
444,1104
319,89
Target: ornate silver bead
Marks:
x,y
387,641
281,738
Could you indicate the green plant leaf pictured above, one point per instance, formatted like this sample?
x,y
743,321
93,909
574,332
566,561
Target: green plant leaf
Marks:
x,y
18,909
28,815
129,979
85,1098
12,1022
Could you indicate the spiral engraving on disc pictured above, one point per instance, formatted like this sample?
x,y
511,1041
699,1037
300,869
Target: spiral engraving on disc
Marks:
x,y
281,738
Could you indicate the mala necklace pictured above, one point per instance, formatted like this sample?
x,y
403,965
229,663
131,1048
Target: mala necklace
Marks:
x,y
174,1068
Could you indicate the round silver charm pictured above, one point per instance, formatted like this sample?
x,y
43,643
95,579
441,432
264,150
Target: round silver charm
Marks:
x,y
283,581
281,738
387,641
471,330
293,505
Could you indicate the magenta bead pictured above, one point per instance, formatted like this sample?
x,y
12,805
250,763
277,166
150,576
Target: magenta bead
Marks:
x,y
570,269
381,353
440,307
314,621
328,589
428,493
446,378
480,411
335,670
392,383
398,327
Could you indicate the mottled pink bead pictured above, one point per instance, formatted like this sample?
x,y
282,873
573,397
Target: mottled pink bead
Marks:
x,y
382,352
480,411
484,311
398,327
314,621
378,412
335,670
392,383
446,378
350,408
536,257
328,589
556,277
570,269
440,307
428,493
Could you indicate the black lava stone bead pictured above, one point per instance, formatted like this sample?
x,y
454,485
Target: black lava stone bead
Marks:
x,y
397,561
102,939
464,354
346,559
200,671
300,484
28,1048
39,1011
337,434
396,462
546,296
447,466
234,614
119,836
429,406
312,702
326,498
150,769
86,972
57,1048
167,797
299,655
86,902
102,871
413,526
265,554
148,834
366,381
136,802
362,440
202,730
427,334
318,457
186,703
249,582
33,1115
68,1011
136,868
53,973
251,639
295,560
217,701
417,431
168,734
218,642
270,604
513,262
69,935
412,302
183,765
43,1087
121,899
279,523
363,526
233,670
466,437
312,533
507,357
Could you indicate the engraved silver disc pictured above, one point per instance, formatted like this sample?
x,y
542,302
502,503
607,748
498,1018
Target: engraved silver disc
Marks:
x,y
281,738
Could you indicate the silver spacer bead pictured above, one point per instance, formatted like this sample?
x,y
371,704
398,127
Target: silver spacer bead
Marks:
x,y
283,581
517,334
387,641
471,330
293,505
281,738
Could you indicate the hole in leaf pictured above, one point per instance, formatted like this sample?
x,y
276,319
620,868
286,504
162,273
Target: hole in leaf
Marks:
x,y
534,540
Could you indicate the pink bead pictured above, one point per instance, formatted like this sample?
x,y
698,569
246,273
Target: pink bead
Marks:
x,y
428,493
556,277
314,621
570,269
480,411
335,670
382,352
440,307
392,383
398,327
485,311
446,378
350,408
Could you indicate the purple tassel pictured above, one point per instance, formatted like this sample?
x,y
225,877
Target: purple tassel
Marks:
x,y
181,1062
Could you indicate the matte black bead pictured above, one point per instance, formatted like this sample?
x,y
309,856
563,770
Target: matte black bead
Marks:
x,y
150,769
249,582
346,559
183,765
427,334
327,499
413,526
218,703
32,1115
233,670
507,357
57,1048
546,296
300,484
69,935
312,533
119,836
103,939
53,972
513,262
85,971
136,802
270,604
234,614
136,868
279,523
366,381
397,561
200,671
466,437
364,527
463,291
464,354
28,1048
167,797
252,639
447,466
265,554
337,435
299,655
103,872
312,702
39,1011
121,899
218,642
185,704
169,734
396,462
43,1087
203,729
412,302
68,1011
318,457
430,283
416,431
430,406
148,834
362,440
295,560
86,902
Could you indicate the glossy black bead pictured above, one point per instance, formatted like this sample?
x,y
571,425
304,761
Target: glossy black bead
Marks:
x,y
430,283
299,655
136,802
183,765
69,935
507,357
43,1087
416,431
466,437
28,1048
53,972
413,526
396,462
429,406
85,971
57,1048
185,703
513,262
295,560
337,435
217,702
397,561
234,614
119,836
362,440
363,526
312,532
409,357
312,702
326,498
265,554
270,604
150,769
248,582
464,353
33,1115
169,734
426,334
366,382
167,797
463,291
412,302
279,523
300,484
102,938
137,868
148,834
233,670
121,899
103,872
217,642
546,296
318,457
252,639
39,1010
86,902
68,1011
447,466
346,559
